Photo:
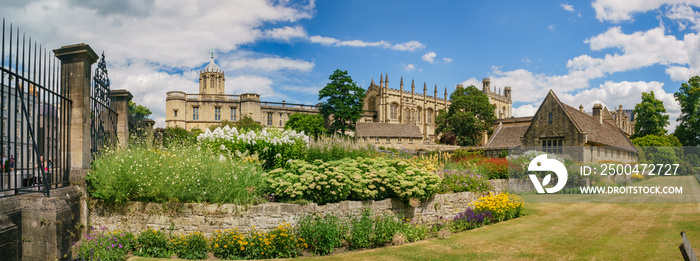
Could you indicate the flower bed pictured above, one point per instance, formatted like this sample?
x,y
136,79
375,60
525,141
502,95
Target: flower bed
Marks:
x,y
273,147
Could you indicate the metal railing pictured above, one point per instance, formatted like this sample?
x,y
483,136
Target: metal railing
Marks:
x,y
35,113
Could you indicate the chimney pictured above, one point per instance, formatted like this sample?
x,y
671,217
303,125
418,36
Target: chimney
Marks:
x,y
597,109
580,108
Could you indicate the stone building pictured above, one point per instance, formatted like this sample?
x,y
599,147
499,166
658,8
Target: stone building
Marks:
x,y
211,105
559,128
399,106
382,134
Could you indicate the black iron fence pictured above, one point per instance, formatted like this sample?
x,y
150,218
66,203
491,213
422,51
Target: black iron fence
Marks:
x,y
103,126
35,117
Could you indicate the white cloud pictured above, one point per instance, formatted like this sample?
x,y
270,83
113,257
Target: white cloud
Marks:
x,y
684,15
429,57
568,7
328,41
447,60
525,110
286,33
409,67
551,27
252,84
323,40
617,11
408,46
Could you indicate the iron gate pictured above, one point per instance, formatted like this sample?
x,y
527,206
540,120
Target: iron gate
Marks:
x,y
35,116
103,126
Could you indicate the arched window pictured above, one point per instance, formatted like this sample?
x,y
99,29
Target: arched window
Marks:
x,y
429,118
407,116
420,115
393,111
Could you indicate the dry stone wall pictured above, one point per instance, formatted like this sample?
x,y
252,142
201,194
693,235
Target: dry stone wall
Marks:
x,y
207,218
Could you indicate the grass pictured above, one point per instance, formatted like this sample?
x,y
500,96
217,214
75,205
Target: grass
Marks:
x,y
582,231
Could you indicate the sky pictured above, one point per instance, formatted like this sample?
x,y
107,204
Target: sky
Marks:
x,y
603,51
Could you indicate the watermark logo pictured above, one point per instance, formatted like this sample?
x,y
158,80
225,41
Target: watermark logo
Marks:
x,y
542,163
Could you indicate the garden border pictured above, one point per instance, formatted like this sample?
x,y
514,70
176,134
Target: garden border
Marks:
x,y
207,218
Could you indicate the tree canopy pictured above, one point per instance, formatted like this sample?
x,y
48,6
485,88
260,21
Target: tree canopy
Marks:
x,y
311,124
344,101
137,112
650,116
468,117
688,95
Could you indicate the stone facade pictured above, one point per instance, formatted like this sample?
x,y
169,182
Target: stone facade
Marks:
x,y
399,106
212,106
560,128
206,218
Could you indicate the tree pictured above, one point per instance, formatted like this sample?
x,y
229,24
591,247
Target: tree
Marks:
x,y
311,124
468,117
137,112
650,117
688,95
247,123
344,102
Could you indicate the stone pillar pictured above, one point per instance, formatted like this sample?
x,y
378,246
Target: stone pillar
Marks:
x,y
76,61
148,124
120,104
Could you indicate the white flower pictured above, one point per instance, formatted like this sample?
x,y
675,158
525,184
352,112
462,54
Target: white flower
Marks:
x,y
222,158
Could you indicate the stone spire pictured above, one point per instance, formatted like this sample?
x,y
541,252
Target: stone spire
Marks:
x,y
413,86
386,81
371,83
401,84
435,90
381,80
445,92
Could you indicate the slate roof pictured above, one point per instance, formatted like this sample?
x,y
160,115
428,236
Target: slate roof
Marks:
x,y
379,129
602,133
507,136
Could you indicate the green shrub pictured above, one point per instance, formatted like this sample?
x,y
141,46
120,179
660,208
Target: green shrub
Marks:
x,y
152,243
370,229
176,136
105,245
355,179
228,244
175,174
322,233
192,246
414,231
461,181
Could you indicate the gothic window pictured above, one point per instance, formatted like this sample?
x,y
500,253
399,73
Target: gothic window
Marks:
x,y
420,115
195,113
550,117
393,111
233,114
281,117
429,119
217,113
175,113
406,116
269,119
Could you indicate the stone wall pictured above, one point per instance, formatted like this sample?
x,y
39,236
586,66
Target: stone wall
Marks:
x,y
206,218
36,227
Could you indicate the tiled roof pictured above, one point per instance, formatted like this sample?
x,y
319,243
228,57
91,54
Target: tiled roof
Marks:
x,y
603,133
379,129
507,136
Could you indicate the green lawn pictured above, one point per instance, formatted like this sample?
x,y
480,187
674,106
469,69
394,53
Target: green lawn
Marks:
x,y
604,231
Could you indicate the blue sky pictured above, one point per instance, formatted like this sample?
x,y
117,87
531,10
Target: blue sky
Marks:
x,y
587,52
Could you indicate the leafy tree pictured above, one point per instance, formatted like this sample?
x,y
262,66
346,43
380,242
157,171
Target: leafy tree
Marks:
x,y
650,119
344,103
177,136
137,112
469,115
246,123
652,140
311,124
688,95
